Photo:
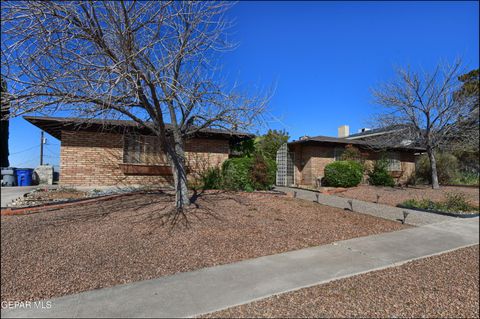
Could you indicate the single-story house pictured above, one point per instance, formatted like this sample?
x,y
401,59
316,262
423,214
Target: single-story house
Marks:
x,y
302,162
98,152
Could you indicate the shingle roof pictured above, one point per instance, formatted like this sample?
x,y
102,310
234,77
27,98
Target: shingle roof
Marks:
x,y
54,126
378,130
345,141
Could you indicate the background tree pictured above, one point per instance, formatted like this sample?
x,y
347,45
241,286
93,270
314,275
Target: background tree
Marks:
x,y
269,143
150,62
425,110
4,118
468,151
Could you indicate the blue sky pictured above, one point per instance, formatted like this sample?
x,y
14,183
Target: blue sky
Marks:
x,y
323,57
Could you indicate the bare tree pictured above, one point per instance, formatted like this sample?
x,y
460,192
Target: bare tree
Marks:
x,y
422,109
151,62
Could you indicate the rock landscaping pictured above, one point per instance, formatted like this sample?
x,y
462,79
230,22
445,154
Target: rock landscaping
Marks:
x,y
395,195
443,286
46,196
106,243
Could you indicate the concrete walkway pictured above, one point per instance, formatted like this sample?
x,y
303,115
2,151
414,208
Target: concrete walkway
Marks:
x,y
216,288
415,217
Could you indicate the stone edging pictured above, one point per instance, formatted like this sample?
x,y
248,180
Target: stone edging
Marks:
x,y
54,206
440,212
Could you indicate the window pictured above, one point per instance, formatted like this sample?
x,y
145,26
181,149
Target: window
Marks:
x,y
337,153
394,163
143,149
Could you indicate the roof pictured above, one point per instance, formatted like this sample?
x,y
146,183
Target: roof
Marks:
x,y
345,141
54,126
377,131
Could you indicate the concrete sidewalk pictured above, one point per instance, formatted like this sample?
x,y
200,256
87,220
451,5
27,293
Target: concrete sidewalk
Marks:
x,y
215,288
415,217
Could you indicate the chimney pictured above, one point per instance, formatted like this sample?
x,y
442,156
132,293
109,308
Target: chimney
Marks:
x,y
343,131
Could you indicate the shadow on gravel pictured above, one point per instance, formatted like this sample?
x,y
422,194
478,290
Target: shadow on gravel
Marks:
x,y
153,209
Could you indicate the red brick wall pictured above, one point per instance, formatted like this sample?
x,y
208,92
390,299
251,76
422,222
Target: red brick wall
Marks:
x,y
93,159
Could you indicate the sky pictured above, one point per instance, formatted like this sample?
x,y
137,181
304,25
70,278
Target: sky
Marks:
x,y
322,58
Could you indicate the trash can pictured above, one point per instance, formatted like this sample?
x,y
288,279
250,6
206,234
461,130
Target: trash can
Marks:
x,y
8,176
24,176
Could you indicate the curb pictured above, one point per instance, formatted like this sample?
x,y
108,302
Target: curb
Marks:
x,y
440,212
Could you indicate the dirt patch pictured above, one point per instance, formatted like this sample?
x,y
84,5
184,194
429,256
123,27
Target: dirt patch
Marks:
x,y
103,244
394,195
436,287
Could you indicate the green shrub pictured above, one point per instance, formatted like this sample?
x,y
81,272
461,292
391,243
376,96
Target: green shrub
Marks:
x,y
263,172
466,178
454,202
236,174
380,176
447,168
212,178
343,174
457,202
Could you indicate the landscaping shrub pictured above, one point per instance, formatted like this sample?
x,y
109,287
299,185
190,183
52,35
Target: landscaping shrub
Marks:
x,y
212,178
263,172
466,178
380,176
343,174
447,168
236,174
454,202
457,202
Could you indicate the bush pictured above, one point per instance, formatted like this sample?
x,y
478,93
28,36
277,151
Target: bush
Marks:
x,y
380,175
466,178
236,174
263,172
212,178
343,174
457,202
447,168
454,202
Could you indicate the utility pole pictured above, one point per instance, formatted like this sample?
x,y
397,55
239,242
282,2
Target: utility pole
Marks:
x,y
42,141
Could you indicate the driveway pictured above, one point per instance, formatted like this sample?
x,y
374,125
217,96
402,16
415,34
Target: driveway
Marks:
x,y
11,193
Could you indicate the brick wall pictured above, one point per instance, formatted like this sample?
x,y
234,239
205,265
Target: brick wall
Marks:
x,y
310,162
93,159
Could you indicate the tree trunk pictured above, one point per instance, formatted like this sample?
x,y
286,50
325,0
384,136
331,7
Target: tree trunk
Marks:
x,y
180,177
433,168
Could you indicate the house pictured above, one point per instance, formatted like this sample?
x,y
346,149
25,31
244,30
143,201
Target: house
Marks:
x,y
98,152
302,162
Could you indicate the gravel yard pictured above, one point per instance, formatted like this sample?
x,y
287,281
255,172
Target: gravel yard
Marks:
x,y
394,196
442,286
95,245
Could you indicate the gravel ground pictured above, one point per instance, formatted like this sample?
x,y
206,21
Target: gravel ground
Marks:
x,y
95,245
436,287
394,196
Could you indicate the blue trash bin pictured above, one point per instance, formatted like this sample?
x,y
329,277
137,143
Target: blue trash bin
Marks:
x,y
24,176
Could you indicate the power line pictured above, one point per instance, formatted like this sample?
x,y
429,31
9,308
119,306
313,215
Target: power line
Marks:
x,y
22,151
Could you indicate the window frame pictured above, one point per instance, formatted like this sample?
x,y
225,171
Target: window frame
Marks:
x,y
142,150
394,162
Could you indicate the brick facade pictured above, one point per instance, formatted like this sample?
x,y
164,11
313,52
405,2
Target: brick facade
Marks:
x,y
310,162
95,159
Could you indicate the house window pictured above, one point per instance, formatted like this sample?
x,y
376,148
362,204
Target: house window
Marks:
x,y
338,152
143,149
394,163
